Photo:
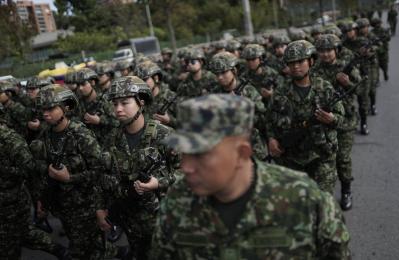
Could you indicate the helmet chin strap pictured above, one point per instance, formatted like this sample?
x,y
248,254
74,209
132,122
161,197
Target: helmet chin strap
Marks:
x,y
131,120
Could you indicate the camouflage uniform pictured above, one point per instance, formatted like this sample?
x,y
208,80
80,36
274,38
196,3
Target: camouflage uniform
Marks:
x,y
73,202
278,220
194,88
277,63
309,145
345,131
17,172
382,52
136,213
168,67
256,78
100,106
392,19
225,61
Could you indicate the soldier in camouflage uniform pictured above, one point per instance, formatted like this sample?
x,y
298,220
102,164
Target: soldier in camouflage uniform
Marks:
x,y
223,65
140,169
231,206
344,77
301,129
124,68
199,81
277,62
383,52
234,47
69,160
354,43
17,167
152,75
258,72
105,73
35,126
96,111
373,45
167,65
392,19
14,113
315,32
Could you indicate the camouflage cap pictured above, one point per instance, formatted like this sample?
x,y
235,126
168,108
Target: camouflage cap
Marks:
x,y
6,86
204,121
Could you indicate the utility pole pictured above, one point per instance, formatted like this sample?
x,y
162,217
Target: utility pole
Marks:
x,y
321,12
334,11
275,13
249,30
148,12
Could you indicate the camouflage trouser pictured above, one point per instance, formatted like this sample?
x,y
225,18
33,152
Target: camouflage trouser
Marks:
x,y
323,171
85,238
37,239
344,157
363,97
14,225
374,78
383,60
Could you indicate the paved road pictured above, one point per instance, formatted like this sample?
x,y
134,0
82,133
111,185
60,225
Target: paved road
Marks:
x,y
374,219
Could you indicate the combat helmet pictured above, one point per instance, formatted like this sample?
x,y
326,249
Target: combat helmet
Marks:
x,y
84,75
222,62
130,86
362,22
280,40
252,51
333,30
166,51
105,68
147,69
347,27
6,86
328,42
38,82
299,50
123,65
56,95
375,22
194,54
233,45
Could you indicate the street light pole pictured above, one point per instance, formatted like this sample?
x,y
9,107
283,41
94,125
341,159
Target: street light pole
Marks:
x,y
249,31
148,12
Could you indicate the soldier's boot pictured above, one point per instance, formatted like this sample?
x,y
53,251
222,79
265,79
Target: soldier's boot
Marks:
x,y
386,77
346,196
364,130
124,253
62,253
373,108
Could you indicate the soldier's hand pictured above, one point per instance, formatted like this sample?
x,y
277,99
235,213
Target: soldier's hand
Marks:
x,y
91,119
59,175
101,222
141,187
266,93
324,117
343,79
164,119
34,124
274,148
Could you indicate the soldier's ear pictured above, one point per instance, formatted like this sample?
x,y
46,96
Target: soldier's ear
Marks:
x,y
244,148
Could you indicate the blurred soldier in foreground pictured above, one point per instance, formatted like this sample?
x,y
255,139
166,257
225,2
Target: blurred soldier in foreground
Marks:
x,y
231,206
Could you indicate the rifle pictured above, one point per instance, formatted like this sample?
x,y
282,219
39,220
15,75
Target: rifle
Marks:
x,y
167,105
293,136
238,90
42,223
